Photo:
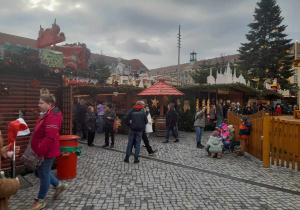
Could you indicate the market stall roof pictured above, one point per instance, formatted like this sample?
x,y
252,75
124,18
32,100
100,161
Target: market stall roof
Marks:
x,y
161,88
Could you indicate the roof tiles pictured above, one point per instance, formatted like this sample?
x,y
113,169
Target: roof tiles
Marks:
x,y
161,88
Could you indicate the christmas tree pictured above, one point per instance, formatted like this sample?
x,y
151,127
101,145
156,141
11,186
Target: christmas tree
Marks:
x,y
266,55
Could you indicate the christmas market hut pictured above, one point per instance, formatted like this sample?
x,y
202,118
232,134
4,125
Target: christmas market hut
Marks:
x,y
25,74
121,97
160,89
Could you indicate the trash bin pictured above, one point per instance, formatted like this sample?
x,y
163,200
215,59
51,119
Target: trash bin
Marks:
x,y
67,161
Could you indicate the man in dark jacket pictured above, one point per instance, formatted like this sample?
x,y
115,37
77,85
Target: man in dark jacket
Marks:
x,y
109,119
225,109
79,118
136,119
219,112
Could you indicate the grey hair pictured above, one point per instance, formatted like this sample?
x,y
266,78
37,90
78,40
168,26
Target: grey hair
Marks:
x,y
139,103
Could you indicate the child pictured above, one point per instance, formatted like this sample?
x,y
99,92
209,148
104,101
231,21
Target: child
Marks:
x,y
231,137
90,120
244,134
225,138
214,145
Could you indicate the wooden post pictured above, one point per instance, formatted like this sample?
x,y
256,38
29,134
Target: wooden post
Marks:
x,y
266,141
161,102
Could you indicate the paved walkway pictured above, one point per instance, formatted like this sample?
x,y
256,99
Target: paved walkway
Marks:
x,y
179,176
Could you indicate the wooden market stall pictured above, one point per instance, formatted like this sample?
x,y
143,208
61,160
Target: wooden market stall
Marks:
x,y
161,89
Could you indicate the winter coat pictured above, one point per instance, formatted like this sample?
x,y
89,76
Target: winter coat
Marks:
x,y
80,113
8,187
212,113
149,128
45,137
109,122
278,111
199,119
224,133
248,110
238,110
244,132
225,110
136,119
214,144
219,110
171,118
231,135
90,121
101,109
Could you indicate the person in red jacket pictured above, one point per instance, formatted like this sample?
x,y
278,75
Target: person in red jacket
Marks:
x,y
45,143
278,110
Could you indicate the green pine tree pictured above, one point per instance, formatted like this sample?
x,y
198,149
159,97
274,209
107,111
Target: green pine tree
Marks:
x,y
266,55
100,66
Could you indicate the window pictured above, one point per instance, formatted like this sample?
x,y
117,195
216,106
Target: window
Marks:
x,y
295,78
295,71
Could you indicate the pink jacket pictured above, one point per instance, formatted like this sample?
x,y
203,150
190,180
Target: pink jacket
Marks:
x,y
45,137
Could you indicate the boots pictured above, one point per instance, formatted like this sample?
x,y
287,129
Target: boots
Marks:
x,y
219,155
213,155
199,145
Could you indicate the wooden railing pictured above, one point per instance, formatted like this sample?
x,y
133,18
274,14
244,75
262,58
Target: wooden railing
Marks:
x,y
254,143
281,142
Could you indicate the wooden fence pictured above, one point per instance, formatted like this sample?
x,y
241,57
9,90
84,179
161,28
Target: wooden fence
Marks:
x,y
254,143
273,139
281,142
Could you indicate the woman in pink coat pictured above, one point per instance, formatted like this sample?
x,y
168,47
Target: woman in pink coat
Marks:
x,y
45,143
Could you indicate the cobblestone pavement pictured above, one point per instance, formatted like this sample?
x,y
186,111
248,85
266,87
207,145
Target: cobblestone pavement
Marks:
x,y
179,176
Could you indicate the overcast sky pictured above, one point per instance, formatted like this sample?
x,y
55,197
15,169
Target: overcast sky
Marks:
x,y
144,29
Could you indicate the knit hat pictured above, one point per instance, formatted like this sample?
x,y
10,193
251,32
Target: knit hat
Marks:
x,y
230,126
216,134
16,128
244,118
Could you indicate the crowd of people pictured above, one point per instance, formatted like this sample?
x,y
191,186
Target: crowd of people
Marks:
x,y
101,118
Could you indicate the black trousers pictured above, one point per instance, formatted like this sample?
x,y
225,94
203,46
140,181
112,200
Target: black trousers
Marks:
x,y
80,126
146,142
91,136
109,130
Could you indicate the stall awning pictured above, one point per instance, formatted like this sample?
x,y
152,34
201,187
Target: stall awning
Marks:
x,y
161,88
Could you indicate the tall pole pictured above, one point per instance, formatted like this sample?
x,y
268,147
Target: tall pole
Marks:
x,y
179,46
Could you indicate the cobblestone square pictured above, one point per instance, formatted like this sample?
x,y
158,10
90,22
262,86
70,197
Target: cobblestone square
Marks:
x,y
179,176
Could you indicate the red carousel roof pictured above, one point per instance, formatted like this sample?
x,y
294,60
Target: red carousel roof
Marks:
x,y
161,88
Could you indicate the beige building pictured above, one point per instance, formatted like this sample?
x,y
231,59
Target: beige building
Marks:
x,y
296,68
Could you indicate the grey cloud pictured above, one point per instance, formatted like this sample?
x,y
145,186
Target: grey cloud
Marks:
x,y
139,47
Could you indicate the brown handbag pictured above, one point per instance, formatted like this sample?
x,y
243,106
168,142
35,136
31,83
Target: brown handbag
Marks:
x,y
30,158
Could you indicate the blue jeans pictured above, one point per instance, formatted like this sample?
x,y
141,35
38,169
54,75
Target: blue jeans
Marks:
x,y
212,124
226,146
199,132
46,178
219,120
100,123
134,137
171,128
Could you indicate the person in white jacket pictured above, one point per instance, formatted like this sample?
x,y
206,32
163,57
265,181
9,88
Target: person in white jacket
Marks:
x,y
149,128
